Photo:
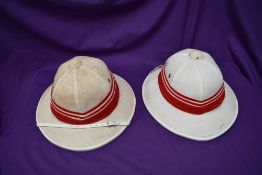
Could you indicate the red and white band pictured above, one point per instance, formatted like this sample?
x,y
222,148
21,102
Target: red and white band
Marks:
x,y
99,112
185,103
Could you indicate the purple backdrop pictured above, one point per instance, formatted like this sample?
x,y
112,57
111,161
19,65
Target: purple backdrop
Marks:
x,y
132,37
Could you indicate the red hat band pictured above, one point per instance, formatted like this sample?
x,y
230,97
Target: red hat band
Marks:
x,y
99,112
185,103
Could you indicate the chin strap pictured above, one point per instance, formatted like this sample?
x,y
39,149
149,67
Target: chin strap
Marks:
x,y
93,125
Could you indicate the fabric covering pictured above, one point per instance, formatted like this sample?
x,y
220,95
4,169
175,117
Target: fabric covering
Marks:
x,y
132,37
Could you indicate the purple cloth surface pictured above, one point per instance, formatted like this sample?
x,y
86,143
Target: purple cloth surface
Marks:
x,y
132,37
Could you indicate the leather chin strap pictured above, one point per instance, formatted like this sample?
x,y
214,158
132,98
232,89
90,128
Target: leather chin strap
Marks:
x,y
93,125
